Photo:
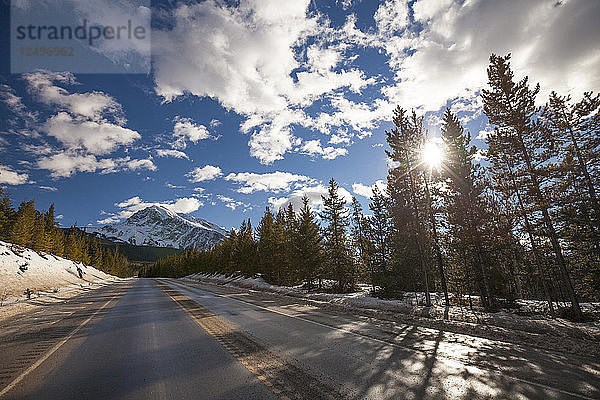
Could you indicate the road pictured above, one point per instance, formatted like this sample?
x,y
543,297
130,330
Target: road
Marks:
x,y
168,339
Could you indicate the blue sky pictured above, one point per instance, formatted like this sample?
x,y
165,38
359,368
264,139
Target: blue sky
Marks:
x,y
250,104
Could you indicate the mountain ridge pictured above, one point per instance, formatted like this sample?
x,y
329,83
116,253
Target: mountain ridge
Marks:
x,y
158,226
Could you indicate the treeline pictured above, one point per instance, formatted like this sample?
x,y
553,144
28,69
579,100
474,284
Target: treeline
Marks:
x,y
39,231
523,224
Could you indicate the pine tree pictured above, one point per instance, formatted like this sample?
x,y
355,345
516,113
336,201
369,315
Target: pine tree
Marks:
x,y
574,129
511,107
271,247
245,249
358,235
7,214
337,252
379,232
465,207
408,206
308,252
23,228
50,228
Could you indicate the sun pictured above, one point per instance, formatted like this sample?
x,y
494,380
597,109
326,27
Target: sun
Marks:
x,y
432,154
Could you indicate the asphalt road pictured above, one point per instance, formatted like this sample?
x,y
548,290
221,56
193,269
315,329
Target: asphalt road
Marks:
x,y
167,339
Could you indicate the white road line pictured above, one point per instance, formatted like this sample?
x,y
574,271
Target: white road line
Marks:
x,y
382,341
52,350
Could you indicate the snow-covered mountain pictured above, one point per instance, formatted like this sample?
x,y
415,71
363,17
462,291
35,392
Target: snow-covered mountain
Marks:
x,y
159,226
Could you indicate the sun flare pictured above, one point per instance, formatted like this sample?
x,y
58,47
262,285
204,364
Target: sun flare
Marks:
x,y
432,154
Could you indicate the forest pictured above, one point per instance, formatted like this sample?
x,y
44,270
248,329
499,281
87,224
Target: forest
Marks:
x,y
523,223
39,230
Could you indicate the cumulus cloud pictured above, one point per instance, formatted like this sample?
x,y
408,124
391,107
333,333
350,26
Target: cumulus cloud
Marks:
x,y
550,41
269,182
8,176
313,147
135,165
244,56
233,204
96,137
91,105
206,173
185,129
127,208
84,125
63,165
313,193
171,153
367,191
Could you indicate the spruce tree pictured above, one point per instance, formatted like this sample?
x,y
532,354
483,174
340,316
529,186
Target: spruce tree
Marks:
x,y
23,228
379,232
337,251
7,214
308,246
358,235
408,206
271,247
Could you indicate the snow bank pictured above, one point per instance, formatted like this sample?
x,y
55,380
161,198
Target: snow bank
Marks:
x,y
525,324
22,269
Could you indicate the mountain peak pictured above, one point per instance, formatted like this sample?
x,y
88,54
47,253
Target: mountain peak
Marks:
x,y
157,225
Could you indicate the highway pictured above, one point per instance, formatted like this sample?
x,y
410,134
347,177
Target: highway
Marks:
x,y
170,339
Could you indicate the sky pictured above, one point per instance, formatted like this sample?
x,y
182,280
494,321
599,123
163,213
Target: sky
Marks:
x,y
256,103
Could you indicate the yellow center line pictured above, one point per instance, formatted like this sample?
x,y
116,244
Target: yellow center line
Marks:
x,y
241,359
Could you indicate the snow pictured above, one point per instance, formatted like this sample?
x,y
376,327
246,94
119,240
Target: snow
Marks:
x,y
159,226
42,273
525,324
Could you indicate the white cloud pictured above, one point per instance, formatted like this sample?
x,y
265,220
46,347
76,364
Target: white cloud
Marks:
x,y
85,125
91,105
233,204
367,191
135,165
392,16
313,147
49,188
10,177
183,205
313,193
96,137
171,153
206,173
243,57
552,42
63,165
185,129
268,182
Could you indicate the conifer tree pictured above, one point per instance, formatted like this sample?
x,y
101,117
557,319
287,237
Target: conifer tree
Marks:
x,y
358,235
308,246
23,228
408,206
465,207
271,247
380,229
50,228
337,253
574,128
7,214
511,107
